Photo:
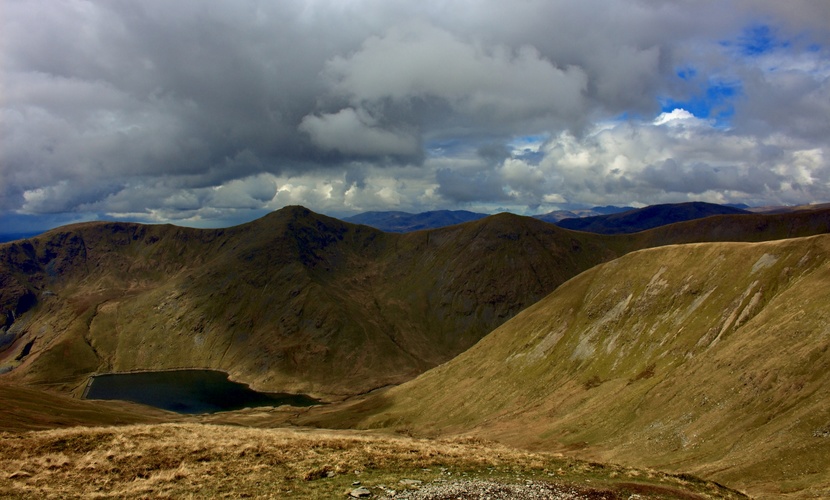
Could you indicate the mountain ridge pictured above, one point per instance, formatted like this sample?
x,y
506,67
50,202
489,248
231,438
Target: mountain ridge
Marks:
x,y
650,217
297,301
293,301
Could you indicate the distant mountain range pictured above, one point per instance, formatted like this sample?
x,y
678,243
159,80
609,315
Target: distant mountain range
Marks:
x,y
294,301
404,222
640,219
603,220
558,215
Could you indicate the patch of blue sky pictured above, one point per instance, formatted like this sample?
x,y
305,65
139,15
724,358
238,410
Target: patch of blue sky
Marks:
x,y
528,148
528,142
757,40
530,157
715,101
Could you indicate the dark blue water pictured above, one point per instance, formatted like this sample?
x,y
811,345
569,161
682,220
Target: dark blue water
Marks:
x,y
187,391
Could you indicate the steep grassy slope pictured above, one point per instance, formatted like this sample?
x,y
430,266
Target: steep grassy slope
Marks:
x,y
706,358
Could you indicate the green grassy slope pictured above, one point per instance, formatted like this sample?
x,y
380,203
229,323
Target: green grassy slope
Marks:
x,y
704,358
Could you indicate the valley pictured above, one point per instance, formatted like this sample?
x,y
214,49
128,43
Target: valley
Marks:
x,y
692,348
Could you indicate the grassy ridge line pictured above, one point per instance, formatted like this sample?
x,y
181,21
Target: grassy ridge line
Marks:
x,y
185,460
709,358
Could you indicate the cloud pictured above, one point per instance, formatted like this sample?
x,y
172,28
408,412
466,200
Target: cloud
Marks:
x,y
678,156
675,117
252,192
492,81
351,131
201,112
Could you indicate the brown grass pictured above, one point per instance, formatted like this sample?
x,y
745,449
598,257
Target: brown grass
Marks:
x,y
199,461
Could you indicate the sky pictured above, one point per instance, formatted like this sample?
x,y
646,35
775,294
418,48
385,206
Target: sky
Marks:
x,y
211,113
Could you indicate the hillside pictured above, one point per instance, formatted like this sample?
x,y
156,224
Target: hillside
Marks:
x,y
296,301
704,358
650,217
25,408
293,302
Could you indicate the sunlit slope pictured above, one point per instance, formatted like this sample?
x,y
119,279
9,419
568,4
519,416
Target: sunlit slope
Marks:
x,y
707,358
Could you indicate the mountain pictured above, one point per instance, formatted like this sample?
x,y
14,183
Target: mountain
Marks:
x,y
557,215
789,209
649,217
296,301
403,222
709,358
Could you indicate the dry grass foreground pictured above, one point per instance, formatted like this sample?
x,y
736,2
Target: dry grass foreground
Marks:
x,y
210,461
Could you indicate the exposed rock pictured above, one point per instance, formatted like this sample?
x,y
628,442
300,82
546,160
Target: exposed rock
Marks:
x,y
360,493
531,490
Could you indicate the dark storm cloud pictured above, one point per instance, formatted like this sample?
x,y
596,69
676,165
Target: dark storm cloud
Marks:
x,y
463,186
121,89
197,108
